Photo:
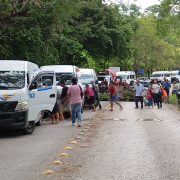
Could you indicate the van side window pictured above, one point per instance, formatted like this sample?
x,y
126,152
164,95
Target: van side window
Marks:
x,y
131,76
45,81
42,81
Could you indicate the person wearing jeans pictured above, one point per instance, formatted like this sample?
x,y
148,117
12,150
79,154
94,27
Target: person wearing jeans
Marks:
x,y
76,113
139,88
95,89
75,94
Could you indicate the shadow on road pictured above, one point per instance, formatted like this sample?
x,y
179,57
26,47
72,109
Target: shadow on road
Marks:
x,y
10,133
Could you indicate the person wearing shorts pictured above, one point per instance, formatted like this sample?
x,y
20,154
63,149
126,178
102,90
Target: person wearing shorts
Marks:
x,y
113,95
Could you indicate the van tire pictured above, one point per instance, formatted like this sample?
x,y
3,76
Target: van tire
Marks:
x,y
30,128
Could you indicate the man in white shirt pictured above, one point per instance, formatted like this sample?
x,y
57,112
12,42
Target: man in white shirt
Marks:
x,y
139,88
157,95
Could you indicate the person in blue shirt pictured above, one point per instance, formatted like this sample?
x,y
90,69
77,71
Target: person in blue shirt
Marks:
x,y
167,87
139,88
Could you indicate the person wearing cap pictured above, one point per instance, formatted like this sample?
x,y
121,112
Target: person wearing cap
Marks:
x,y
75,97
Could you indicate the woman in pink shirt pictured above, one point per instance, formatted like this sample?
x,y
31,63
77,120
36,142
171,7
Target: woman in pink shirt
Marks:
x,y
75,96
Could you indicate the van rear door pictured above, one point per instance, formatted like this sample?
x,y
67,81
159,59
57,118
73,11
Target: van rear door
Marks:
x,y
42,95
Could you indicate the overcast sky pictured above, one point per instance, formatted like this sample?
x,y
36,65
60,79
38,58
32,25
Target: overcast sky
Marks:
x,y
142,3
146,3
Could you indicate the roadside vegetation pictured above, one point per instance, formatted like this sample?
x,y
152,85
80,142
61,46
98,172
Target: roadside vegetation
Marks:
x,y
91,33
173,99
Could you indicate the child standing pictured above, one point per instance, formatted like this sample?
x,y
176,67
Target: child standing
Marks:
x,y
150,97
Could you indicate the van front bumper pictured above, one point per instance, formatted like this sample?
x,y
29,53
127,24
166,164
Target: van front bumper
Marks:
x,y
13,120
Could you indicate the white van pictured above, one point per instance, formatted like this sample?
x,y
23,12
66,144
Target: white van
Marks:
x,y
128,76
65,72
24,94
87,76
161,75
175,76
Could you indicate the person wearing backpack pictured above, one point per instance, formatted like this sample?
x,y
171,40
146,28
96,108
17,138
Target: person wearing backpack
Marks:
x,y
75,94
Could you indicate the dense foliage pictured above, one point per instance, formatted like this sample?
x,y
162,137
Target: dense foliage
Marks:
x,y
90,33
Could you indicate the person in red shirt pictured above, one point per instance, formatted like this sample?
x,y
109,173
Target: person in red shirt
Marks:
x,y
90,96
113,95
149,97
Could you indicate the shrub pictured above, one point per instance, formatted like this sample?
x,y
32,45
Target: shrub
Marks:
x,y
173,99
103,97
128,95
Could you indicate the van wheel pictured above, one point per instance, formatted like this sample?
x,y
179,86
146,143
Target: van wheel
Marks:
x,y
40,117
30,128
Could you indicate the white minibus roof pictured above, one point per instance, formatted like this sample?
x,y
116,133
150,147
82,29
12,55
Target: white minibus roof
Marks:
x,y
12,65
60,68
125,73
17,65
161,72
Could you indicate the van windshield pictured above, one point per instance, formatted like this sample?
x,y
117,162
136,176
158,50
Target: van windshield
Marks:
x,y
167,75
101,78
121,76
66,77
156,75
86,78
12,80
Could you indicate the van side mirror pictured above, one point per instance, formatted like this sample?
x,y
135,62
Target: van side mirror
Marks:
x,y
33,86
96,82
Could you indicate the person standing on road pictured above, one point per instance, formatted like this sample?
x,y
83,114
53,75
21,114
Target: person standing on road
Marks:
x,y
75,94
121,89
139,88
95,89
90,96
113,95
64,98
167,87
105,82
55,114
157,94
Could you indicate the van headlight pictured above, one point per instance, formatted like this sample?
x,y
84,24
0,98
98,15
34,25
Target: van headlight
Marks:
x,y
22,106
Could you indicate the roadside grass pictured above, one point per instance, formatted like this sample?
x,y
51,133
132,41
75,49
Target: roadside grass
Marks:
x,y
173,99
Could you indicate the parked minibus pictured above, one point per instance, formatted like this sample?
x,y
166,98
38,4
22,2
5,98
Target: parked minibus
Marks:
x,y
128,76
25,93
87,76
161,75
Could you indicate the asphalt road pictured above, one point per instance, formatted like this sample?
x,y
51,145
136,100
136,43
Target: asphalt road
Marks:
x,y
140,144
